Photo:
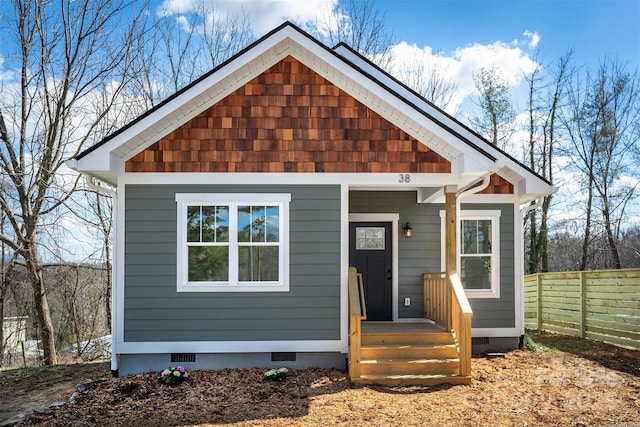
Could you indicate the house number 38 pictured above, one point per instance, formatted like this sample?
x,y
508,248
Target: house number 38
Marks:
x,y
404,177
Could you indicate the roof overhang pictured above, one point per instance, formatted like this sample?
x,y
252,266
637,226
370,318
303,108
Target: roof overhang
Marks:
x,y
471,157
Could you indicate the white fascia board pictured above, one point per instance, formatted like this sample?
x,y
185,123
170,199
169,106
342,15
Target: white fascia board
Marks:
x,y
393,181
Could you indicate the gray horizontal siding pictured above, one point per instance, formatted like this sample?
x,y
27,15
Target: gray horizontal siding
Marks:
x,y
417,255
421,254
154,311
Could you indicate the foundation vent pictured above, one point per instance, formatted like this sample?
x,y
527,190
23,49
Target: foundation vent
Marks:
x,y
480,341
283,357
183,357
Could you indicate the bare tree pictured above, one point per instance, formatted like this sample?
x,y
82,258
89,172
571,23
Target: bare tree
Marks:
x,y
545,102
497,115
7,262
66,51
361,26
429,78
175,50
601,125
81,318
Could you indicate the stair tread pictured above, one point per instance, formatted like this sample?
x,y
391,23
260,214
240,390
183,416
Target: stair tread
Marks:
x,y
401,380
399,332
412,360
396,376
394,346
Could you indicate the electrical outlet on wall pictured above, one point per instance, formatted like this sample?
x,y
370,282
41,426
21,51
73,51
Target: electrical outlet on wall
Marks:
x,y
407,302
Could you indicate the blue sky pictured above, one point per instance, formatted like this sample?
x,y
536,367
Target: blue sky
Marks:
x,y
462,36
593,28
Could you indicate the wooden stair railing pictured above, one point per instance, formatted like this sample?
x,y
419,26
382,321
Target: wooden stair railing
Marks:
x,y
357,313
446,302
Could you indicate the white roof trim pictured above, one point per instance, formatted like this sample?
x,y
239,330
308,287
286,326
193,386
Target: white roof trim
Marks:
x,y
108,160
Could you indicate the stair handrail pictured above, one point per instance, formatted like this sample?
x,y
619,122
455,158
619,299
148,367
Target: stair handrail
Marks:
x,y
461,315
357,312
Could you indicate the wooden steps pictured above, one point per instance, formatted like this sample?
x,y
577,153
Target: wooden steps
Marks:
x,y
397,355
411,380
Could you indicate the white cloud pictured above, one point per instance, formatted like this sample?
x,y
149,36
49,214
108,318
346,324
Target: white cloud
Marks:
x,y
534,38
512,63
6,75
263,15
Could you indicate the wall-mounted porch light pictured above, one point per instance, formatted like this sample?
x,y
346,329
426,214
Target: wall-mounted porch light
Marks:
x,y
408,231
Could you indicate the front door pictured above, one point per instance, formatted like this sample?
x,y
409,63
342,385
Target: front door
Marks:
x,y
370,252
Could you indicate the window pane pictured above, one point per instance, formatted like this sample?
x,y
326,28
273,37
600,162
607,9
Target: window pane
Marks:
x,y
244,223
208,263
258,263
258,224
475,272
208,224
222,223
193,224
476,237
273,224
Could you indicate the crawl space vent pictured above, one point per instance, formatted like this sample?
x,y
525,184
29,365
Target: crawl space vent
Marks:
x,y
183,357
283,357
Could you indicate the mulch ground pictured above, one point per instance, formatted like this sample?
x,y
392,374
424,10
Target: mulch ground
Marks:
x,y
563,382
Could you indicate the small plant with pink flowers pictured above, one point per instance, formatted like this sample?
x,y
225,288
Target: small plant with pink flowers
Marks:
x,y
173,375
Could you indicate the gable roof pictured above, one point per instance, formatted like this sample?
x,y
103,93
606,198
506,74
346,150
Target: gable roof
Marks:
x,y
468,152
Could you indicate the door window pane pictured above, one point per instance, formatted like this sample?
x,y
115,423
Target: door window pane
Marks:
x,y
370,238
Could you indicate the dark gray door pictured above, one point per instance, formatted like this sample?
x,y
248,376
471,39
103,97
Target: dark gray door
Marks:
x,y
370,253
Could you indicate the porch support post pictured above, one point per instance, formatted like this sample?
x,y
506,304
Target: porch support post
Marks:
x,y
451,245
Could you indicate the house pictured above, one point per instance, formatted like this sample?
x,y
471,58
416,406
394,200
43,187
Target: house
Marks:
x,y
242,201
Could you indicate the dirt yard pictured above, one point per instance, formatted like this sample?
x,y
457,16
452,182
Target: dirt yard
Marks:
x,y
560,381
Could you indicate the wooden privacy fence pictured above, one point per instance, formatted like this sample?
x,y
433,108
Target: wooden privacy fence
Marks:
x,y
603,305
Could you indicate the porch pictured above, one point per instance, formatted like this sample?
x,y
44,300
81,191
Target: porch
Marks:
x,y
434,351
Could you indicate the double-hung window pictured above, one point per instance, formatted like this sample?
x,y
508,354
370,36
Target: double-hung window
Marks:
x,y
478,252
232,242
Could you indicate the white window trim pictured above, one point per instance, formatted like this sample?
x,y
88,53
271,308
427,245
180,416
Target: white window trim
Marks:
x,y
184,200
494,216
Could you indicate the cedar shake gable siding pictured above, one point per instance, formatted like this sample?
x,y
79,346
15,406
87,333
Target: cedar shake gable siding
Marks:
x,y
498,185
289,119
